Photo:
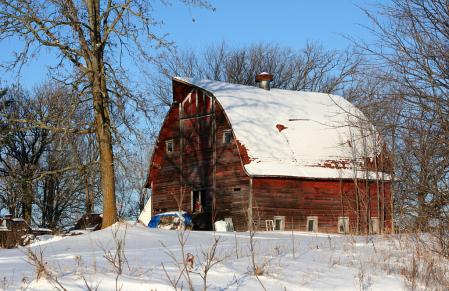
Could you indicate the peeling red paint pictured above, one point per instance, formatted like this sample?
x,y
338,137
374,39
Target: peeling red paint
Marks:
x,y
243,153
335,164
368,163
280,127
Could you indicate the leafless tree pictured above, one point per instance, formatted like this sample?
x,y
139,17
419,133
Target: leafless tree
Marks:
x,y
86,156
411,54
38,165
133,171
89,38
23,145
312,68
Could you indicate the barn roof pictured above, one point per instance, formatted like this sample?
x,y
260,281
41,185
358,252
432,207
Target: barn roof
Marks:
x,y
293,133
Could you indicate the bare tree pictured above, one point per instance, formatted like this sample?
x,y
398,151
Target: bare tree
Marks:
x,y
22,147
59,196
36,162
411,55
89,38
311,68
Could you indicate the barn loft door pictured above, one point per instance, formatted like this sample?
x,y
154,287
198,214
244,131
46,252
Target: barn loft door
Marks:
x,y
195,114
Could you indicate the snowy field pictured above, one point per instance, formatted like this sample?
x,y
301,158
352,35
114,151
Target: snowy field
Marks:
x,y
320,262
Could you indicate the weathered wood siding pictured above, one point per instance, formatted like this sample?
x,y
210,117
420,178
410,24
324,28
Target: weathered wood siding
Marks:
x,y
196,129
327,199
194,123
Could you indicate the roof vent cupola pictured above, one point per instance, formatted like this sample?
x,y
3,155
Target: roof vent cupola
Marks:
x,y
264,80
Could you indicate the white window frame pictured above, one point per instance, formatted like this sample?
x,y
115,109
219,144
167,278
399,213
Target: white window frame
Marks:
x,y
172,146
374,225
346,220
282,219
314,218
224,136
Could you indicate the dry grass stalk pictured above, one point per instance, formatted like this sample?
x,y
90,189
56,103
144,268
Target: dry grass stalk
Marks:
x,y
36,260
116,258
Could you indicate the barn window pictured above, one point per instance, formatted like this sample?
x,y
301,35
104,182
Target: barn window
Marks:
x,y
374,225
227,136
343,224
199,200
312,223
279,222
169,146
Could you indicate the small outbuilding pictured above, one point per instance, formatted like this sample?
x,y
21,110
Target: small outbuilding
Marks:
x,y
269,158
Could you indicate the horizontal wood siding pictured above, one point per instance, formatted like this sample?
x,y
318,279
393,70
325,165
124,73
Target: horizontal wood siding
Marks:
x,y
327,199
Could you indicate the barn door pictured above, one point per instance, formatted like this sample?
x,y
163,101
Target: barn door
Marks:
x,y
199,201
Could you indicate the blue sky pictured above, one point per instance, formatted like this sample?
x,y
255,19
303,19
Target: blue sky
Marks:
x,y
286,22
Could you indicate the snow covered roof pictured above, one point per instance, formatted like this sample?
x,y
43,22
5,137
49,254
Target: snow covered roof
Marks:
x,y
293,133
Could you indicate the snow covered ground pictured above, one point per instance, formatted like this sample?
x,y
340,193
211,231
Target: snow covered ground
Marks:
x,y
320,262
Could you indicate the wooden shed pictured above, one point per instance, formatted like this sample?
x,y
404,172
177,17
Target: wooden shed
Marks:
x,y
270,159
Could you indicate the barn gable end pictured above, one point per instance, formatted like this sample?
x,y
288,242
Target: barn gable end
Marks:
x,y
196,125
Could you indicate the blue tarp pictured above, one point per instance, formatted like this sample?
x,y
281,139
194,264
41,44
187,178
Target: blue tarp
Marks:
x,y
154,222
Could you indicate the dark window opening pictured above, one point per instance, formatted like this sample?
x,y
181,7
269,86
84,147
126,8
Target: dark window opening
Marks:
x,y
227,136
312,223
279,222
169,146
199,201
236,189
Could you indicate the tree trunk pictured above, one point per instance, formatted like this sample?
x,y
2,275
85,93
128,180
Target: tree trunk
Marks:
x,y
86,190
101,114
104,139
103,133
422,212
27,200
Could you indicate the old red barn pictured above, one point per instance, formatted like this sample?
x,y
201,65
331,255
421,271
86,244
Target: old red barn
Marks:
x,y
269,158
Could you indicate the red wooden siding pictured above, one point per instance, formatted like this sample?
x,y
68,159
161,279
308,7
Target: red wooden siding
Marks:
x,y
327,199
191,122
197,159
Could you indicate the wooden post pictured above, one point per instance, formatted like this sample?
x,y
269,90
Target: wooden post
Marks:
x,y
383,198
250,205
293,239
357,204
214,146
151,199
181,146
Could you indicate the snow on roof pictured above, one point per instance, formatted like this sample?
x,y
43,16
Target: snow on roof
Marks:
x,y
293,133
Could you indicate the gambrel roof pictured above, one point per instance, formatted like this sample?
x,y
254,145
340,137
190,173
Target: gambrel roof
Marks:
x,y
296,134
